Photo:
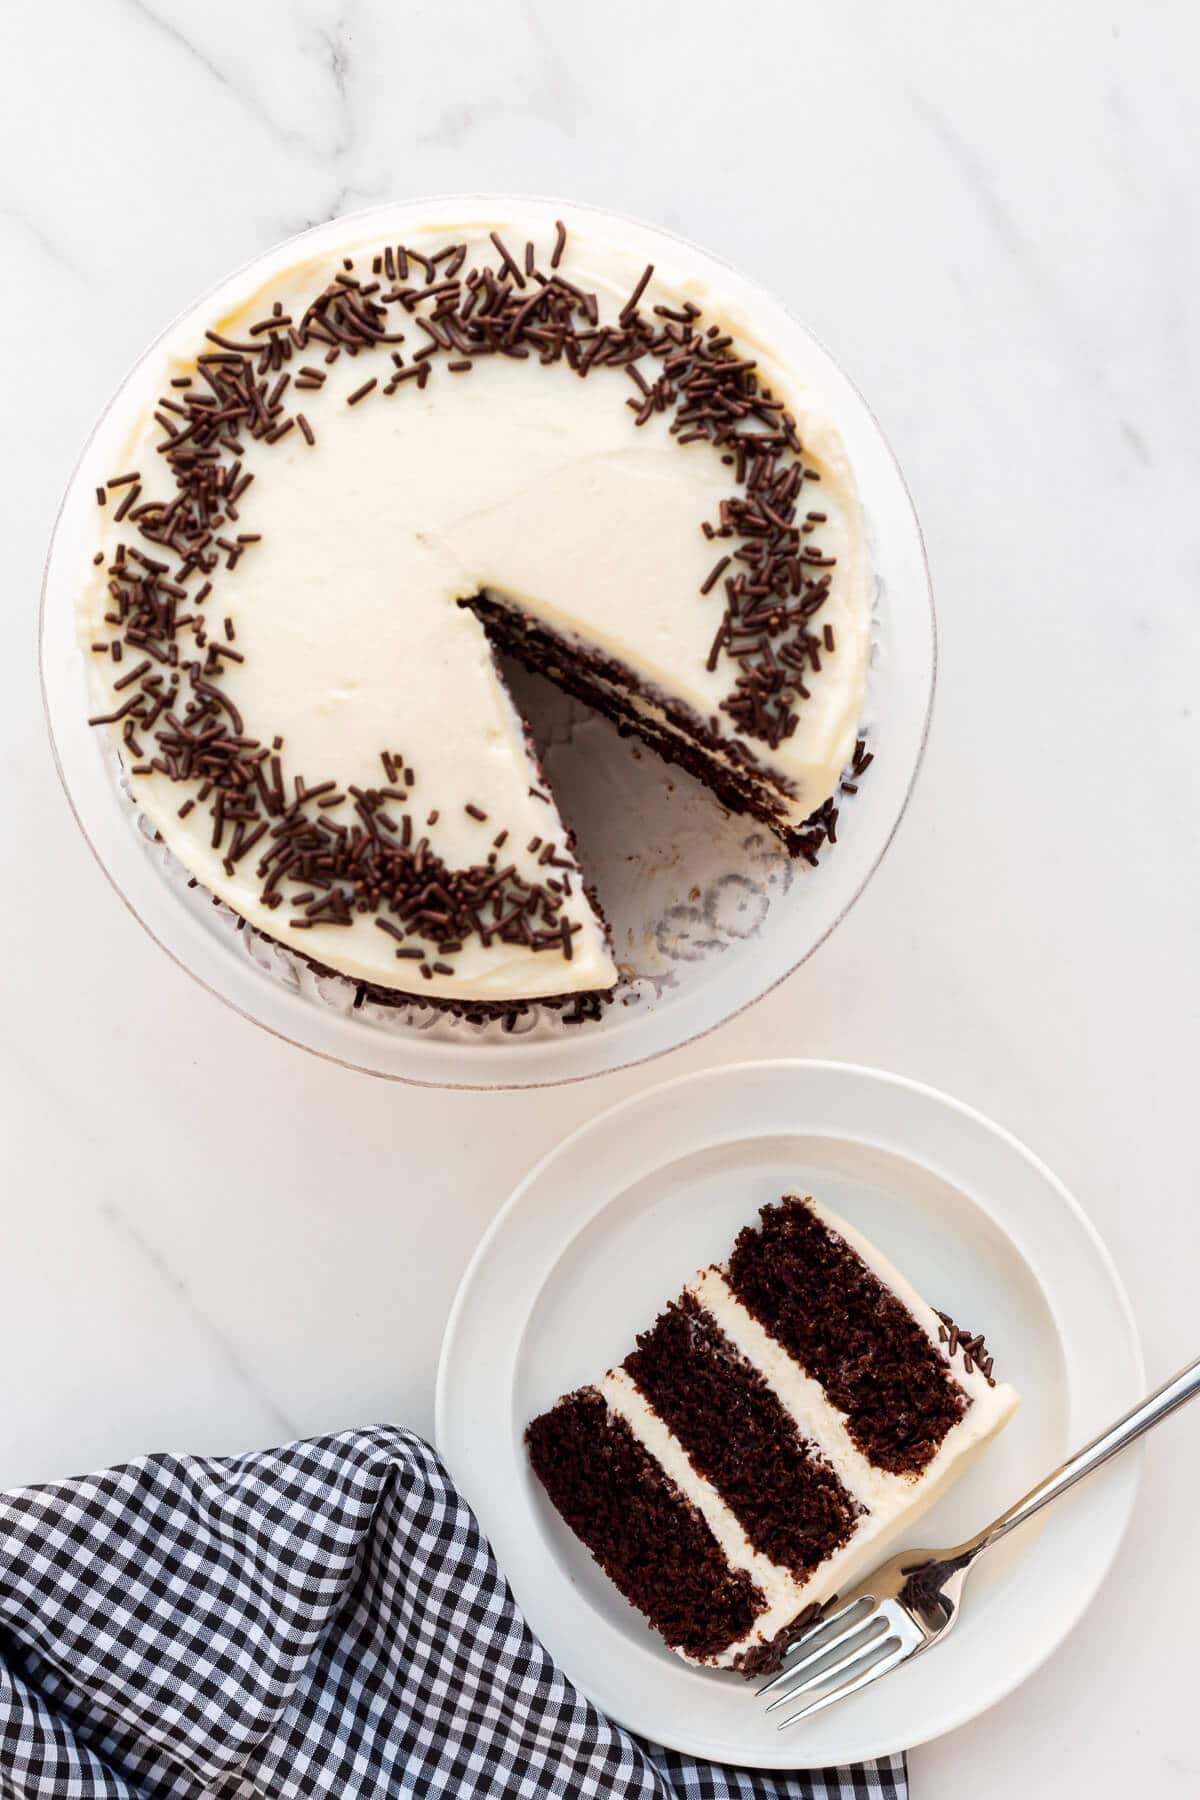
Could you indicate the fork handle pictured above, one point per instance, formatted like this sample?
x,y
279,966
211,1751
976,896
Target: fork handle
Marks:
x,y
1151,1411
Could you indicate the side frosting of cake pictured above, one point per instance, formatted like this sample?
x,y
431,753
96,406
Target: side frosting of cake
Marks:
x,y
779,1426
349,477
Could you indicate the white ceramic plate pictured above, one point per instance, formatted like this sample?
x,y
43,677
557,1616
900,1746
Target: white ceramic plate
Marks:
x,y
603,1233
706,917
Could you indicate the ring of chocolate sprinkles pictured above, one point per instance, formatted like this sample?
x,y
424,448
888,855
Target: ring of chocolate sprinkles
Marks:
x,y
382,863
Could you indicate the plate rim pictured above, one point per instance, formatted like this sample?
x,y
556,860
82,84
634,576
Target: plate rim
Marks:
x,y
648,1099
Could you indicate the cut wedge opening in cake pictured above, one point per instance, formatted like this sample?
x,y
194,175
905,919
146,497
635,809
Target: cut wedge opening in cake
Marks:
x,y
793,1412
361,481
660,720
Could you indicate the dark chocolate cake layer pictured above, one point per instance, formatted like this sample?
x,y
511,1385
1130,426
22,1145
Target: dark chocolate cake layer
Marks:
x,y
810,1291
646,1537
787,1499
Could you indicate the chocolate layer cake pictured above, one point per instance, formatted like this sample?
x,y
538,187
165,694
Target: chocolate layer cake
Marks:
x,y
348,476
780,1424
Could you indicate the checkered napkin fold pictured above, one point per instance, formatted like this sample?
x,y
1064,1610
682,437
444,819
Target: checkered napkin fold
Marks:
x,y
321,1620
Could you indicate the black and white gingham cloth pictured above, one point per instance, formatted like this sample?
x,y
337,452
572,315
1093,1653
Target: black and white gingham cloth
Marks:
x,y
321,1620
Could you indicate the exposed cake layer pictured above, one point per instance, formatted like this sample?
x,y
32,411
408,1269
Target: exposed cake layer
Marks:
x,y
731,772
741,1439
781,1454
845,1328
307,494
655,1547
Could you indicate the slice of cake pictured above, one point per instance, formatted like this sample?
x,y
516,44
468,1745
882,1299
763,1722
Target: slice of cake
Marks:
x,y
786,1419
341,483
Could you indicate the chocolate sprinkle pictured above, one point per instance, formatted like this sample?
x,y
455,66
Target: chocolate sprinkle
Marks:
x,y
974,1350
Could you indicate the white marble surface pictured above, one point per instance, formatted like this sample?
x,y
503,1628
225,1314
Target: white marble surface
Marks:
x,y
210,1240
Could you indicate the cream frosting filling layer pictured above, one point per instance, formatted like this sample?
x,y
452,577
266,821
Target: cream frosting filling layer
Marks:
x,y
515,477
892,1503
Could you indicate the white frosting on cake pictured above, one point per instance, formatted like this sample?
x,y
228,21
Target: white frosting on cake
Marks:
x,y
517,478
892,1503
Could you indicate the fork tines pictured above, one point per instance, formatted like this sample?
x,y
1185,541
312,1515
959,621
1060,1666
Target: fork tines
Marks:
x,y
849,1649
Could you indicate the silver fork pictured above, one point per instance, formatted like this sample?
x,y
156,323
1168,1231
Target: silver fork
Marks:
x,y
912,1601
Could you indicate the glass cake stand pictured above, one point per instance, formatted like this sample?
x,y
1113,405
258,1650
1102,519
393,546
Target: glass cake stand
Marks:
x,y
707,915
